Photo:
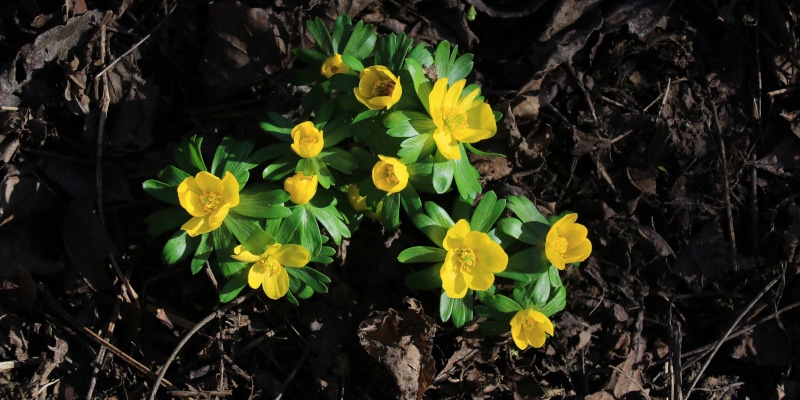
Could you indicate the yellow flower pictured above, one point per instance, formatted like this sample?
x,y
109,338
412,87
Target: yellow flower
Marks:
x,y
390,175
378,88
566,242
301,188
458,118
307,140
207,199
268,269
359,202
334,65
528,327
472,260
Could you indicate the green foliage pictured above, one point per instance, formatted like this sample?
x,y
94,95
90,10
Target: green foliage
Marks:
x,y
413,129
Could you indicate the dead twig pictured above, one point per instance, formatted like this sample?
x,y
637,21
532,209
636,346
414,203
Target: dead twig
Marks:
x,y
728,333
163,371
48,299
137,44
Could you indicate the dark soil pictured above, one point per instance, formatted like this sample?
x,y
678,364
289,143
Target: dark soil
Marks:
x,y
671,127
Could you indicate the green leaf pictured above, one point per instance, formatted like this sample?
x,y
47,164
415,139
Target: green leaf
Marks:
x,y
466,177
303,276
530,260
333,222
443,173
525,210
305,228
280,168
341,31
460,68
391,50
231,156
414,148
487,212
248,233
439,215
555,278
410,201
361,41
222,238
322,37
161,191
421,55
233,287
500,303
460,310
422,254
517,276
201,255
422,85
541,291
482,153
310,56
425,279
557,303
179,247
390,213
188,155
262,202
165,220
442,60
430,228
172,176
338,159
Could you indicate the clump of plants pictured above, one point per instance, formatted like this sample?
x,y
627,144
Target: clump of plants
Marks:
x,y
387,130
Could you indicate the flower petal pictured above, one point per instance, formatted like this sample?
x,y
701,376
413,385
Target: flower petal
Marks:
x,y
535,336
208,182
578,253
454,93
241,254
189,197
197,226
447,144
292,255
452,281
519,338
230,190
256,275
216,217
276,286
479,279
455,235
554,257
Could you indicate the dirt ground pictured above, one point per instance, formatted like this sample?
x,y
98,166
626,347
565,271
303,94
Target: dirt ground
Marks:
x,y
672,127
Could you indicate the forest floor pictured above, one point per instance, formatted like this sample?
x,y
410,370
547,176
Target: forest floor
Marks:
x,y
672,127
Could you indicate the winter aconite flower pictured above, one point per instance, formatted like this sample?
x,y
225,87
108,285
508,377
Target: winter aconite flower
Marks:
x,y
307,140
334,65
207,199
458,118
301,188
268,269
359,202
390,175
530,328
378,88
472,260
566,242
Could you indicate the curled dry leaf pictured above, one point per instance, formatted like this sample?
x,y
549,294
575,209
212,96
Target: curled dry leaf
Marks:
x,y
403,344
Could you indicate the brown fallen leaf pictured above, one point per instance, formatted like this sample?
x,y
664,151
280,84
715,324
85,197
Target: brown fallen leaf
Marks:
x,y
403,344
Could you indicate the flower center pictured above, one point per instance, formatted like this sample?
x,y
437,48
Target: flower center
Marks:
x,y
391,177
210,201
466,259
270,265
383,87
309,140
528,324
454,119
560,245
